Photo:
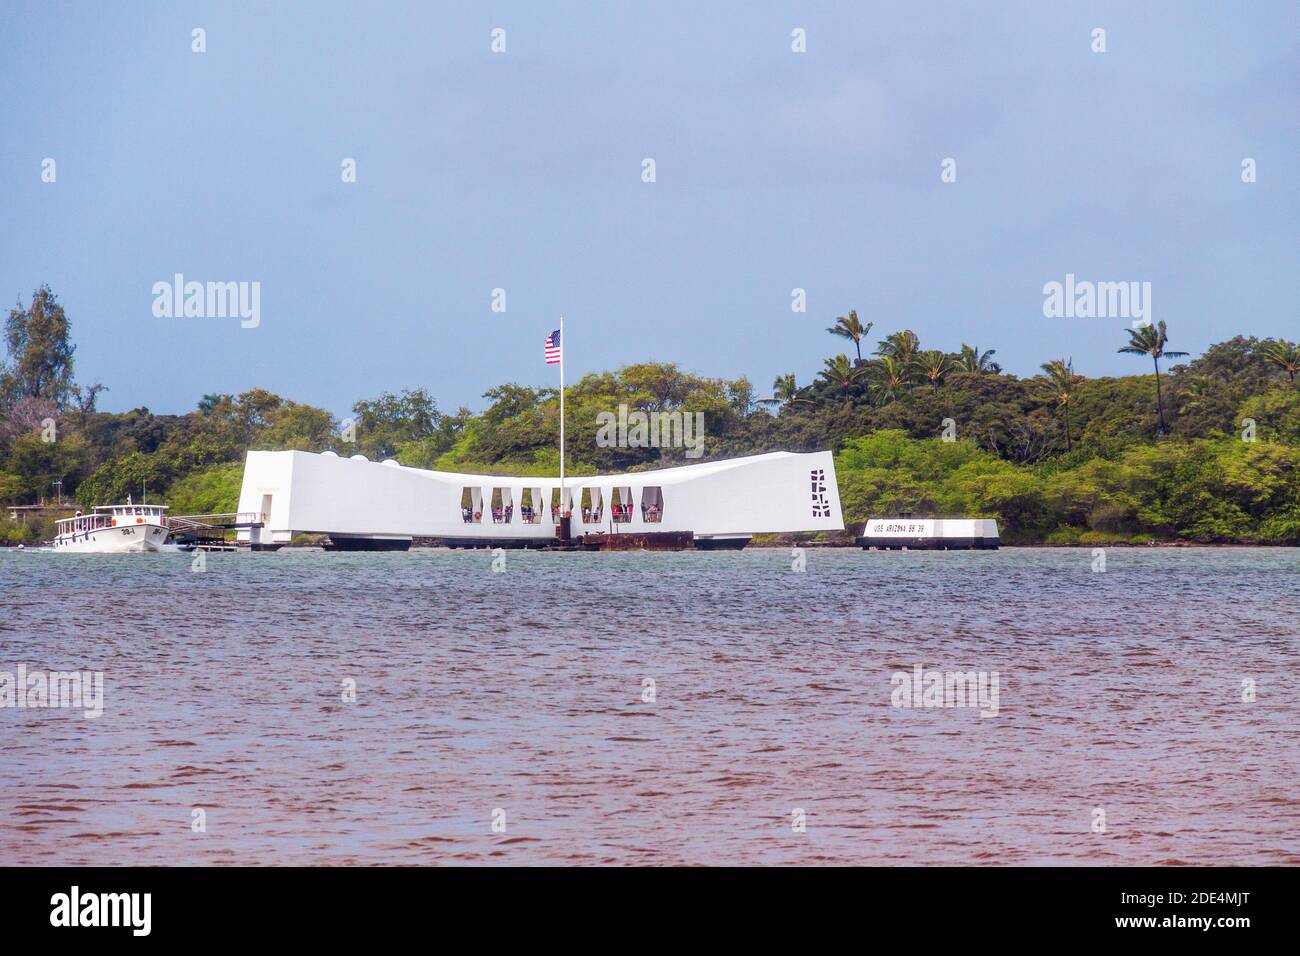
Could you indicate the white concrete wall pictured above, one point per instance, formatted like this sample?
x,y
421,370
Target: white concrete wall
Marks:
x,y
324,494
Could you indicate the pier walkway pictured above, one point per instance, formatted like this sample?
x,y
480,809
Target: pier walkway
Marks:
x,y
209,531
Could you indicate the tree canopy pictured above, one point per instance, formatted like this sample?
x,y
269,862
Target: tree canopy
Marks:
x,y
38,339
1058,457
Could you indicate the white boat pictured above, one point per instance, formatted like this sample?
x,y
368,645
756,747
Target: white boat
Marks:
x,y
113,529
932,534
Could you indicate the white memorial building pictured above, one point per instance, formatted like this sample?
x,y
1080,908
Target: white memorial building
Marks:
x,y
365,504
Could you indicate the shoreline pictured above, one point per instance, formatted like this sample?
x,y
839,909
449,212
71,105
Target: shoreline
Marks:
x,y
773,546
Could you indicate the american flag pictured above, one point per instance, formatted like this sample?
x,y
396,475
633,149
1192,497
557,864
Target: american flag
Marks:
x,y
553,348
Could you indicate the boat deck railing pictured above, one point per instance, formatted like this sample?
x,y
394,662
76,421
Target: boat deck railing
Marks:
x,y
91,522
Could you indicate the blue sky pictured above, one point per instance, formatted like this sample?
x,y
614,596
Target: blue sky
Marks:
x,y
522,171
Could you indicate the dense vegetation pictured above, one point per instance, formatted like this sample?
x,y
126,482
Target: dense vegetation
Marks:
x,y
1059,457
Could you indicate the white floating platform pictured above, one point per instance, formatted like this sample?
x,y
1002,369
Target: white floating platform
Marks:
x,y
933,534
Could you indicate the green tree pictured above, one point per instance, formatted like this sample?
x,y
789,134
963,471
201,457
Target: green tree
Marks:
x,y
136,474
1194,393
40,351
12,488
841,375
1234,370
85,397
902,347
1152,340
933,365
1061,380
891,377
296,427
1285,355
214,490
386,423
848,326
785,393
973,360
39,463
1277,413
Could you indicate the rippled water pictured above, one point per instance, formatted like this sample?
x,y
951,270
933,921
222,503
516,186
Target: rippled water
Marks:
x,y
523,691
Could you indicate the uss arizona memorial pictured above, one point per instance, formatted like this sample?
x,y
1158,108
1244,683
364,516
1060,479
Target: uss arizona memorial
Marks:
x,y
369,505
366,505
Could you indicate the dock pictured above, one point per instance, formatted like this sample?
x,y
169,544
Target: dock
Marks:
x,y
208,532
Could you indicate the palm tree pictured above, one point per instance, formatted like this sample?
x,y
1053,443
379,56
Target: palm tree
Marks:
x,y
840,373
892,378
850,328
934,365
1061,381
901,346
1151,340
1284,355
785,393
973,360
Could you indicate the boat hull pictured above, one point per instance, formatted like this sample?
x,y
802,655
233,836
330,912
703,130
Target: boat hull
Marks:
x,y
113,540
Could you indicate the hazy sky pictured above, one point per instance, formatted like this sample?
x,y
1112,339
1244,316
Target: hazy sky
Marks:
x,y
523,171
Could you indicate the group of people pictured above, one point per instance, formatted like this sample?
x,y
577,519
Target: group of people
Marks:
x,y
620,513
503,515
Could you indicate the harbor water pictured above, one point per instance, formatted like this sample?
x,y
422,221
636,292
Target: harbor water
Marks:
x,y
450,707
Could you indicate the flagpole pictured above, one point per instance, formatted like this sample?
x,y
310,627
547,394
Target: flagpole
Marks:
x,y
563,345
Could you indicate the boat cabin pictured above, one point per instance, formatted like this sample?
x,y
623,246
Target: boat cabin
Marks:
x,y
113,516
